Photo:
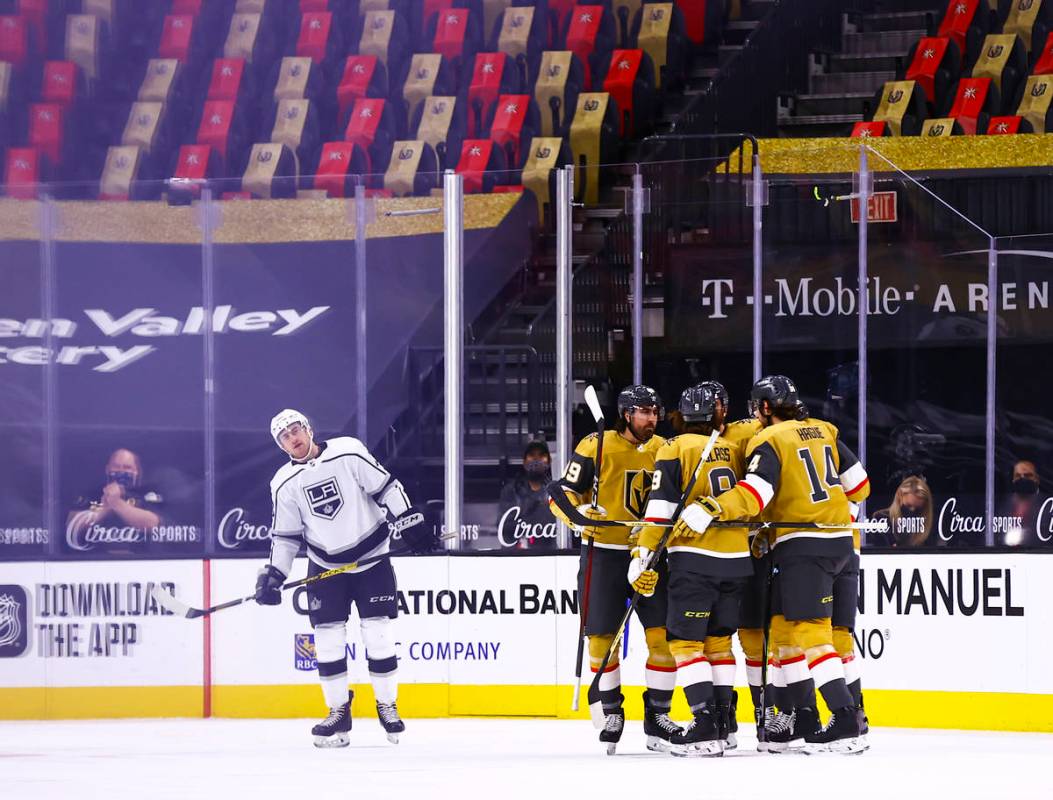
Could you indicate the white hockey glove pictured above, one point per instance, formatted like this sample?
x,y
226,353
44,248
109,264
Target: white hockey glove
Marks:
x,y
643,580
695,518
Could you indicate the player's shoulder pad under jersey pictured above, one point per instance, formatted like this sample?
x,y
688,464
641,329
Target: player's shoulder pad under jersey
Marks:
x,y
587,447
745,422
286,471
724,449
654,444
671,448
763,435
342,445
828,427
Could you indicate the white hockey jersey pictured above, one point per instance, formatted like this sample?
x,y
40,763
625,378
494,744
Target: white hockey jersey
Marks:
x,y
338,503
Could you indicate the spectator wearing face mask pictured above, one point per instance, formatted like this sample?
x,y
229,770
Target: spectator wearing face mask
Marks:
x,y
1020,515
909,516
525,520
120,511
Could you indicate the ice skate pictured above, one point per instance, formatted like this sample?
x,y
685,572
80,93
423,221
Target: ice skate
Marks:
x,y
841,734
723,718
388,714
788,735
612,730
333,730
701,739
658,727
864,723
764,736
727,724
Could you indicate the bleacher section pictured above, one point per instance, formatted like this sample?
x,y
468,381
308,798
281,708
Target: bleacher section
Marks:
x,y
271,98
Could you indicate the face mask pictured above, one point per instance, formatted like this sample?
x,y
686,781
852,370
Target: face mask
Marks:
x,y
125,479
1025,486
908,511
536,467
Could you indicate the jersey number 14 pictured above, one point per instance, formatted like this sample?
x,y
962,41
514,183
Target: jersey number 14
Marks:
x,y
819,488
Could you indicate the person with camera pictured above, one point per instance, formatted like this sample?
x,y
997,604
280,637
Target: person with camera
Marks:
x,y
121,502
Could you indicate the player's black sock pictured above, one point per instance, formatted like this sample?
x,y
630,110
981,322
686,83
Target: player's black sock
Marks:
x,y
722,695
798,695
611,700
698,694
660,700
836,694
856,690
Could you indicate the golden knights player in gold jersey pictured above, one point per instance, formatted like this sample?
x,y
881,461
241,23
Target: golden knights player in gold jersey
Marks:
x,y
798,470
624,484
752,612
707,571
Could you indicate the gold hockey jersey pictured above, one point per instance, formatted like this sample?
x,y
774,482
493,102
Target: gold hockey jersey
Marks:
x,y
800,471
718,551
741,431
625,483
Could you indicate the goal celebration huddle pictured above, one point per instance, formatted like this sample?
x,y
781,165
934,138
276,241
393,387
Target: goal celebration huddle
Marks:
x,y
748,528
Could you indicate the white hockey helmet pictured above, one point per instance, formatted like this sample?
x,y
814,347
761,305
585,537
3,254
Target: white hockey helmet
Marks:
x,y
283,419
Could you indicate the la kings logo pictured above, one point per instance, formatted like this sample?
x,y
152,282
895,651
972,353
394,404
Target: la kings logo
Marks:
x,y
324,498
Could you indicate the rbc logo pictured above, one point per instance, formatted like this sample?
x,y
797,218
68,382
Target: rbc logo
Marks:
x,y
304,656
14,621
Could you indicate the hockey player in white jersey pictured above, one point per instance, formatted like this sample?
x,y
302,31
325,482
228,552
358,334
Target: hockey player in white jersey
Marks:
x,y
337,499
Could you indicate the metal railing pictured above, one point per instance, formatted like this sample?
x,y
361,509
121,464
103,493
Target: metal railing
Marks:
x,y
774,59
502,390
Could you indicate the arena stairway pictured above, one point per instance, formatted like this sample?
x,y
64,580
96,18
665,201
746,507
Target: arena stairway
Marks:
x,y
842,84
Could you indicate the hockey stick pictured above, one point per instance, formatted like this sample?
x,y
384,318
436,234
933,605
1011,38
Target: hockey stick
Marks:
x,y
872,526
762,731
595,704
827,199
594,406
169,602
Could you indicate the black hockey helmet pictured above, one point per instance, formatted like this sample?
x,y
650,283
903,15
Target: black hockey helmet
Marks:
x,y
699,403
778,390
638,396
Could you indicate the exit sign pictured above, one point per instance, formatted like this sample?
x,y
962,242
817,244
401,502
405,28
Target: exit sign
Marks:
x,y
881,207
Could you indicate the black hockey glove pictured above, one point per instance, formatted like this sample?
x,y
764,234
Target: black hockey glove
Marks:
x,y
269,582
417,530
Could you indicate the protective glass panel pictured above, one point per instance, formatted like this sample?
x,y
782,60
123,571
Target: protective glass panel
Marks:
x,y
809,297
129,421
336,304
697,254
1023,511
926,347
27,354
508,364
282,278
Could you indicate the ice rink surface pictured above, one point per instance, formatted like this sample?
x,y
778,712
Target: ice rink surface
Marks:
x,y
465,758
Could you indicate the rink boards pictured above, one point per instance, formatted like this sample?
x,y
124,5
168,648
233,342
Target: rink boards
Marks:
x,y
946,640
